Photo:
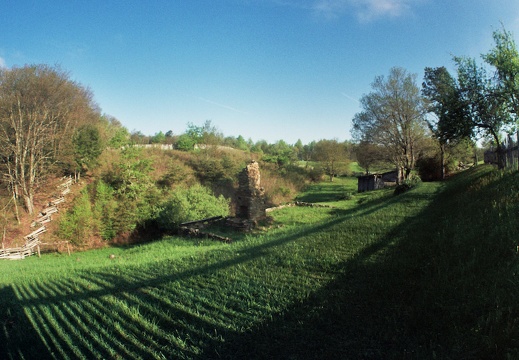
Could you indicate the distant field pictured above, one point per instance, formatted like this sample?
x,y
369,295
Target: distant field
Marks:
x,y
356,169
429,274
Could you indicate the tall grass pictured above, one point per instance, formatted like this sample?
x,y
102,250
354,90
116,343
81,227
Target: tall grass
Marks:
x,y
427,274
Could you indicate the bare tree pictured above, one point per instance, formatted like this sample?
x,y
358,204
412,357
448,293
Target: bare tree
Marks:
x,y
393,118
40,108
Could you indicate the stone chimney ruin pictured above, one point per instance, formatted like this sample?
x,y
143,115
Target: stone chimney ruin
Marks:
x,y
250,199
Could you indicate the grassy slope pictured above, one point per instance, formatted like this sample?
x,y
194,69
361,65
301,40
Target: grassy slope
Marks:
x,y
423,275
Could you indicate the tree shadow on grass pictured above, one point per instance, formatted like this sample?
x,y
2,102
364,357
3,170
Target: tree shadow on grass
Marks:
x,y
361,314
326,192
413,294
18,339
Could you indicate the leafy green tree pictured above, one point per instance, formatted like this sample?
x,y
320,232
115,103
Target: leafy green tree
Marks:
x,y
158,138
505,59
393,118
120,138
185,143
308,151
369,156
486,112
210,134
279,153
194,135
449,123
260,147
241,144
87,146
113,133
332,157
299,149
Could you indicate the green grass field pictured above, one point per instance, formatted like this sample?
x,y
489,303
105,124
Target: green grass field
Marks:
x,y
430,274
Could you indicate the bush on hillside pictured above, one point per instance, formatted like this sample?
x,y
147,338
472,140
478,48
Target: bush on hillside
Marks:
x,y
212,166
105,207
135,192
177,173
282,184
189,204
407,185
76,224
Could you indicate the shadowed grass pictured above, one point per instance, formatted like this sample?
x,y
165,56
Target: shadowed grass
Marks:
x,y
329,192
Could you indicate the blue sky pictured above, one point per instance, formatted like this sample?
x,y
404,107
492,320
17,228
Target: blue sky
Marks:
x,y
263,69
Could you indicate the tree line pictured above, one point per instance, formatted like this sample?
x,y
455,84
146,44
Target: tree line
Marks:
x,y
50,125
399,118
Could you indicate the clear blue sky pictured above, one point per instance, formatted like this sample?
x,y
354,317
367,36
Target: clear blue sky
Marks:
x,y
263,69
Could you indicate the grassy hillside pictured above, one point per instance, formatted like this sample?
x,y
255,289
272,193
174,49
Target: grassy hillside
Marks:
x,y
430,274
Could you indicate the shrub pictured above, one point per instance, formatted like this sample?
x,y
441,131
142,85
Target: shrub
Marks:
x,y
346,196
402,188
194,203
429,168
281,184
407,185
104,210
208,170
177,173
76,224
185,143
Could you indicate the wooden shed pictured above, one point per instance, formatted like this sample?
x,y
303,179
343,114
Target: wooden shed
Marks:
x,y
370,182
376,181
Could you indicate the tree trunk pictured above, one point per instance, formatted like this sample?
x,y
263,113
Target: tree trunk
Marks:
x,y
16,213
400,176
442,155
499,150
407,173
29,205
501,161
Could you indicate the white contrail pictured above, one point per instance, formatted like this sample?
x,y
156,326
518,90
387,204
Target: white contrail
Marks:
x,y
222,105
351,98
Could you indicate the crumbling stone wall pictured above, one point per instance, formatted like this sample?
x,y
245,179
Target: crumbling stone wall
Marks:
x,y
250,195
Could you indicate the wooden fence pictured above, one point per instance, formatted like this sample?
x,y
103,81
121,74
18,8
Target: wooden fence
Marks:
x,y
32,240
509,153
